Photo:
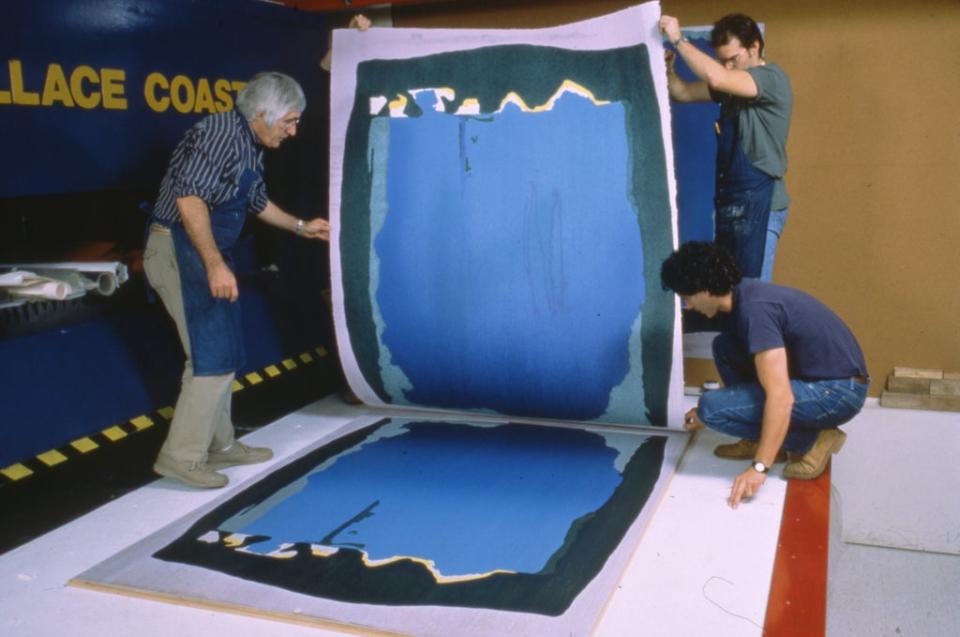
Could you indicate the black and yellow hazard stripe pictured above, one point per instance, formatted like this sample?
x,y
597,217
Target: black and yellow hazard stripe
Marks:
x,y
82,446
89,443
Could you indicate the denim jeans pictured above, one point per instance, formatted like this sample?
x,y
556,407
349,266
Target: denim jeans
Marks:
x,y
737,409
778,219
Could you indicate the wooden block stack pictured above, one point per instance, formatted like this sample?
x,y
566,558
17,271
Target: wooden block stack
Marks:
x,y
912,388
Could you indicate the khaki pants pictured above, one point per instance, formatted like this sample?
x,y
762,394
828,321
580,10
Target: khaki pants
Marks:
x,y
201,420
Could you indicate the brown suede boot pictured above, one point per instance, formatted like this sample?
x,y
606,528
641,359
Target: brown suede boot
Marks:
x,y
744,450
814,462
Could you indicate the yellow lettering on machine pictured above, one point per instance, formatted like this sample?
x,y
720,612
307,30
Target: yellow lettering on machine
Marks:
x,y
55,88
182,94
221,88
150,86
204,103
83,99
20,94
111,82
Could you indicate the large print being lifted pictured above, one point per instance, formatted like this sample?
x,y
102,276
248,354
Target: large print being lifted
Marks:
x,y
502,210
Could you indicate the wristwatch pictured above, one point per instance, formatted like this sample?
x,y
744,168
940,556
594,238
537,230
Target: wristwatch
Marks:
x,y
759,467
299,229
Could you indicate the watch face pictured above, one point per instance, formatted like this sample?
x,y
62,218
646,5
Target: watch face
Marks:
x,y
759,466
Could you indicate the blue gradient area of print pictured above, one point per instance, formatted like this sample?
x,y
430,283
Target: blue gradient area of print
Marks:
x,y
471,498
511,281
695,152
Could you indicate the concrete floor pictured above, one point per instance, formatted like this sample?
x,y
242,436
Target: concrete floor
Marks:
x,y
896,487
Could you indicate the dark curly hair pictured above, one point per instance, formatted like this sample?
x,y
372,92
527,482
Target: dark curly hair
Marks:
x,y
736,25
700,266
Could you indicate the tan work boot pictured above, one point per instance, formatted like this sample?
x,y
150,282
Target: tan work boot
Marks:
x,y
744,450
813,463
194,474
236,454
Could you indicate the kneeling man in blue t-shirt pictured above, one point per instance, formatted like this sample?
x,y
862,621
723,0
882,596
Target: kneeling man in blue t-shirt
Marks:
x,y
792,370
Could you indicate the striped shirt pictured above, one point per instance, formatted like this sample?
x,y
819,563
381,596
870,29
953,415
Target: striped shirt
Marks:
x,y
208,163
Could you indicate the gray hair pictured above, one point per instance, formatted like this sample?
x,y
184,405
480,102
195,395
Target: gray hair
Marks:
x,y
273,94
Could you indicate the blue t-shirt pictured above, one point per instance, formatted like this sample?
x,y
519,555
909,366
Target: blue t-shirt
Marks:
x,y
819,344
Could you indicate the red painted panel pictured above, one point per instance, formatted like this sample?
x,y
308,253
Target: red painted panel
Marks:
x,y
797,606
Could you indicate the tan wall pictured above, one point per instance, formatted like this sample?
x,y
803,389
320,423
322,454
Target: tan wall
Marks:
x,y
874,156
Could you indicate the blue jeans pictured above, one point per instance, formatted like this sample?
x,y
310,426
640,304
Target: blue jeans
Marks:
x,y
778,219
737,409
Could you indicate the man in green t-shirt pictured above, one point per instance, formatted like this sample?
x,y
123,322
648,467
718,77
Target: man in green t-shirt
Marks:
x,y
756,103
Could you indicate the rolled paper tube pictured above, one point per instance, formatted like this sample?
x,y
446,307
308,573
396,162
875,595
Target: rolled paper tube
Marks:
x,y
53,290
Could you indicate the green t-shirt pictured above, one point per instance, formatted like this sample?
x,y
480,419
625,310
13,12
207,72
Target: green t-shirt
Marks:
x,y
764,124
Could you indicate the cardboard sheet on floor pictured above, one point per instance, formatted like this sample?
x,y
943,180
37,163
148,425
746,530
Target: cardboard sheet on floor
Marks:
x,y
419,526
890,465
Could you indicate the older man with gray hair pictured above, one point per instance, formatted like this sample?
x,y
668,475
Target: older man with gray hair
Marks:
x,y
214,180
